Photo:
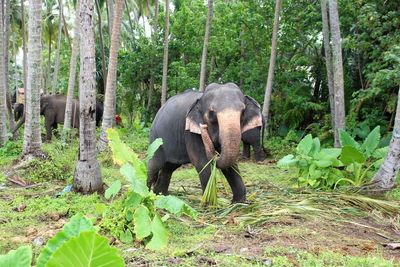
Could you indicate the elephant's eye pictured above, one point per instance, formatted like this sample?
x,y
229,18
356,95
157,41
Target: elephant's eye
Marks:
x,y
212,116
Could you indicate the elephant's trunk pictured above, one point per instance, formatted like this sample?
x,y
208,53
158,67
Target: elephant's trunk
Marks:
x,y
229,137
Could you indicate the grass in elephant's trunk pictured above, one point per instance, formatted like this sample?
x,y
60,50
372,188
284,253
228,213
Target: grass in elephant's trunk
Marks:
x,y
210,193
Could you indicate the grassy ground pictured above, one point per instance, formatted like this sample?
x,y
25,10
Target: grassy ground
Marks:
x,y
295,227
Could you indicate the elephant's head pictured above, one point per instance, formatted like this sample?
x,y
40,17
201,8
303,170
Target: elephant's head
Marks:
x,y
44,103
220,115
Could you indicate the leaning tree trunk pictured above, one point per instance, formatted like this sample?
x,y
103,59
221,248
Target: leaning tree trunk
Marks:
x,y
154,40
205,46
57,66
337,70
72,72
165,60
109,100
268,89
101,39
328,60
3,108
32,137
87,177
385,178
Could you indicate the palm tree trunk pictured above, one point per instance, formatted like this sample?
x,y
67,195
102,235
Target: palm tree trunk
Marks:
x,y
87,177
72,72
57,66
328,60
385,178
165,60
268,89
110,12
337,70
205,45
101,39
32,137
109,100
48,66
66,34
154,37
24,59
3,108
10,116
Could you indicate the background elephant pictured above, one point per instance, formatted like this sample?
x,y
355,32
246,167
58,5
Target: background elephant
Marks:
x,y
52,107
18,111
193,126
254,137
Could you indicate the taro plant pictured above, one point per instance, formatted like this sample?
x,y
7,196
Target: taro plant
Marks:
x,y
76,245
316,167
141,217
360,159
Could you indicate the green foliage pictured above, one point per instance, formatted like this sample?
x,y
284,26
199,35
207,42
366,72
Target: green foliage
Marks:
x,y
88,249
316,166
22,257
113,190
73,228
139,208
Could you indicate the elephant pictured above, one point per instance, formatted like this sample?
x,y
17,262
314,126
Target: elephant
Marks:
x,y
18,111
52,107
254,137
193,126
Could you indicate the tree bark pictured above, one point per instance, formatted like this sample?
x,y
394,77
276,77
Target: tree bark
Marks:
x,y
154,39
32,137
48,67
328,61
268,89
101,39
385,178
110,12
7,18
72,72
165,59
3,108
109,100
24,59
337,70
57,66
87,177
203,67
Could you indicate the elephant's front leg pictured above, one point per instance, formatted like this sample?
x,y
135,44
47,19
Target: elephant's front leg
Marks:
x,y
235,181
49,121
259,153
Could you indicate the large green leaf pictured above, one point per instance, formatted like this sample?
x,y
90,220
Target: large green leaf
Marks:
x,y
372,141
351,155
113,190
380,152
305,145
89,249
141,221
159,239
347,140
73,228
153,148
287,161
137,179
175,206
21,257
328,154
315,147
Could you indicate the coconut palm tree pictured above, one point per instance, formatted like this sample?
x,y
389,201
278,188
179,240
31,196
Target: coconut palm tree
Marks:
x,y
32,138
205,45
72,72
87,178
3,109
109,100
57,65
165,60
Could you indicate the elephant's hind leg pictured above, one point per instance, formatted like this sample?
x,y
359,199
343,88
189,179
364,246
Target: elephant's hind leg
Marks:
x,y
164,178
153,168
246,150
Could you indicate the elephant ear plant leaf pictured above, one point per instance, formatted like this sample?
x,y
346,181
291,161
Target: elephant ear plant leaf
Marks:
x,y
140,205
21,257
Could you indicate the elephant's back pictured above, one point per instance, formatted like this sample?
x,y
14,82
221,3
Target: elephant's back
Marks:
x,y
169,124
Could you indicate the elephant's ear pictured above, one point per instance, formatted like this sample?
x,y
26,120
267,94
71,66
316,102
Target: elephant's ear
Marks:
x,y
194,118
252,115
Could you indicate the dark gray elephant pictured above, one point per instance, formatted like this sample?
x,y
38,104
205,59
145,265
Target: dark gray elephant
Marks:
x,y
52,107
18,111
193,126
254,137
